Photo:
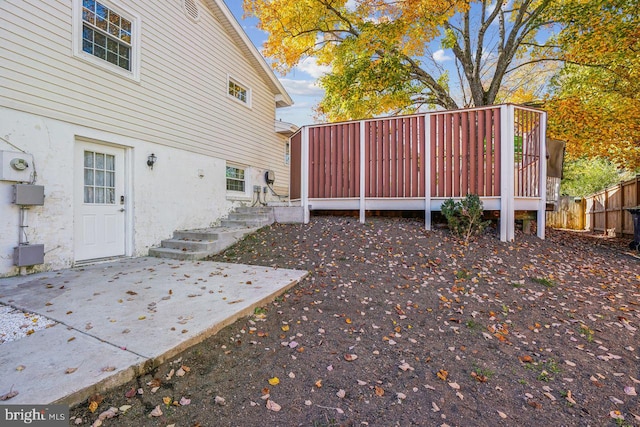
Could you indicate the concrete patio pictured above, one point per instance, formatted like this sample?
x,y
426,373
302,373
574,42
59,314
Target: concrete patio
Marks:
x,y
119,319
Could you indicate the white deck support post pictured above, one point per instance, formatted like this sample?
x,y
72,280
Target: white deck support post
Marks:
x,y
304,171
362,173
426,167
542,185
507,214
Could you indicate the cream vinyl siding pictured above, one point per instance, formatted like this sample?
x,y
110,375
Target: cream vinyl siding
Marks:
x,y
180,101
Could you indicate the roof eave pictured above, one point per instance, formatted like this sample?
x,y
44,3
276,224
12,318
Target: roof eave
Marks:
x,y
224,15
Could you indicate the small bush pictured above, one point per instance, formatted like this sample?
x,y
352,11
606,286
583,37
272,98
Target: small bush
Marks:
x,y
465,216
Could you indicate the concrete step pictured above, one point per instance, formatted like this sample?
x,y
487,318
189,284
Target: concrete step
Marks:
x,y
201,243
245,223
237,216
254,209
177,254
190,245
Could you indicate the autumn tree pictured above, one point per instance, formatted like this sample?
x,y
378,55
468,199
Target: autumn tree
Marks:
x,y
382,53
595,105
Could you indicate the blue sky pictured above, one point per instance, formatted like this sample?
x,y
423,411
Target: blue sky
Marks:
x,y
300,83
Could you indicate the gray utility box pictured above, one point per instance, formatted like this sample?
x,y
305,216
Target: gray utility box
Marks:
x,y
28,195
26,255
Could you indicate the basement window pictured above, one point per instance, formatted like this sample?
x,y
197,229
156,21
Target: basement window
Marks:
x,y
235,179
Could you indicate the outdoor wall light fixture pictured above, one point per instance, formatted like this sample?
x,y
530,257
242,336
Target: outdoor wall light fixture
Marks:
x,y
151,160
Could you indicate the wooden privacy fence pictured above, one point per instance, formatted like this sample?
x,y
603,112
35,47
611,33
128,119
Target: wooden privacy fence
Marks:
x,y
417,162
604,211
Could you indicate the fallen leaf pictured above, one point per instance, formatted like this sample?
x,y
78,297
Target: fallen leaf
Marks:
x,y
154,383
502,414
20,368
350,357
220,400
274,381
167,400
124,408
273,406
379,391
341,393
630,391
93,406
318,383
454,386
401,396
109,413
534,404
616,415
405,367
157,412
526,359
479,377
170,375
442,374
12,393
108,369
184,401
70,370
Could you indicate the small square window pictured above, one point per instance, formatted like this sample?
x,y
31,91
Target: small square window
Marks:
x,y
239,92
235,179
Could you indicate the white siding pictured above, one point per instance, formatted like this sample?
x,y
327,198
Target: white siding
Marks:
x,y
181,100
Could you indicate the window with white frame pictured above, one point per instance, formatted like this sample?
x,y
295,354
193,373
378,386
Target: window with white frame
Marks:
x,y
235,179
107,35
287,153
239,91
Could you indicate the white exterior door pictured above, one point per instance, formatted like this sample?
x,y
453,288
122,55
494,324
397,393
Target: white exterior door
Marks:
x,y
99,215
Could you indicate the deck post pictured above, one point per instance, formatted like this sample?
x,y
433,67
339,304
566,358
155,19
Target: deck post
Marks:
x,y
426,169
362,172
542,185
304,171
507,214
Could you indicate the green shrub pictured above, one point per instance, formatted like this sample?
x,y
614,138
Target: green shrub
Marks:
x,y
465,216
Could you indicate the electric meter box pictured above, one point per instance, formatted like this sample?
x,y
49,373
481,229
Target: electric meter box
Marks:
x,y
15,166
28,195
27,255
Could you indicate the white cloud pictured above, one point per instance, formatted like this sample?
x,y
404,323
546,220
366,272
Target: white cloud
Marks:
x,y
440,56
311,67
302,87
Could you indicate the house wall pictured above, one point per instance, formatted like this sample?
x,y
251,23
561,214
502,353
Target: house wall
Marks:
x,y
179,109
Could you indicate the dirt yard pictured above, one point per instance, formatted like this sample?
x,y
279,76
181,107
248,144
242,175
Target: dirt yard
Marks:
x,y
398,326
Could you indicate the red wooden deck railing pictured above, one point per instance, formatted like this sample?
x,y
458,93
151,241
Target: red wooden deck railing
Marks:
x,y
417,162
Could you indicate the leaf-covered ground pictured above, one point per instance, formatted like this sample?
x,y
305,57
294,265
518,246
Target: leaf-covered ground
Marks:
x,y
398,326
